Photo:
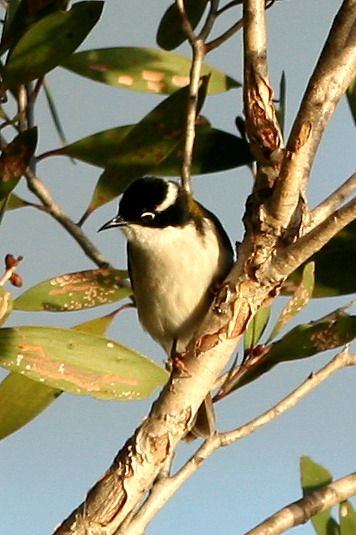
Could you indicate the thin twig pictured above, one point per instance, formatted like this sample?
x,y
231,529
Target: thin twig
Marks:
x,y
214,43
198,49
52,208
331,203
301,511
165,488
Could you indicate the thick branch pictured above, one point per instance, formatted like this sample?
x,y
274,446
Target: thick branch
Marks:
x,y
294,255
332,75
166,487
301,511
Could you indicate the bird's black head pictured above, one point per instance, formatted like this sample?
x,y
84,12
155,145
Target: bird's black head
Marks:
x,y
154,202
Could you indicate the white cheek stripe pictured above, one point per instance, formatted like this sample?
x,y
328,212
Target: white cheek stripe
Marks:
x,y
170,199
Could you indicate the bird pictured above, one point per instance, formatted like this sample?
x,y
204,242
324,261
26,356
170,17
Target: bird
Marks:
x,y
177,251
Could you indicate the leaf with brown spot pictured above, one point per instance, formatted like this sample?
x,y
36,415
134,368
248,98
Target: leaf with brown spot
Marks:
x,y
14,160
146,145
75,291
79,363
303,341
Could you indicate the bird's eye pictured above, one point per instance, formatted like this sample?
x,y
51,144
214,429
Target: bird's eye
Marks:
x,y
146,217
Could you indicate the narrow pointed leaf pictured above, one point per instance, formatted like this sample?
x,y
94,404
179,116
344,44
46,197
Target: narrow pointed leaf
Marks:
x,y
146,145
314,477
20,15
300,298
21,400
335,272
97,326
143,69
79,363
49,41
351,99
75,291
302,342
256,327
347,517
170,33
282,101
214,151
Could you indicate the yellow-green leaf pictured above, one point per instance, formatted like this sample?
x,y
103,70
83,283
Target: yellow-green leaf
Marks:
x,y
79,363
21,400
143,69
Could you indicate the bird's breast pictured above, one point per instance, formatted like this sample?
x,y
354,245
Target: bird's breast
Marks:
x,y
172,270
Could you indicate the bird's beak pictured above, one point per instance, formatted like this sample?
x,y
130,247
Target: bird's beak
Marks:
x,y
117,221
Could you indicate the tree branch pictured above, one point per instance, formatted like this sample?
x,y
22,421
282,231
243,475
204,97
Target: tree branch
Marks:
x,y
331,203
332,75
166,487
301,511
292,256
39,190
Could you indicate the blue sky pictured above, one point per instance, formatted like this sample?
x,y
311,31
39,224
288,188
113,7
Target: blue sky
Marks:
x,y
46,468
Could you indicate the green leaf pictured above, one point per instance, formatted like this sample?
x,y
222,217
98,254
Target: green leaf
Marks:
x,y
305,340
347,517
21,400
214,150
97,326
49,41
335,272
79,363
351,99
14,160
314,477
22,14
281,112
75,291
170,33
300,298
145,146
143,69
256,327
14,202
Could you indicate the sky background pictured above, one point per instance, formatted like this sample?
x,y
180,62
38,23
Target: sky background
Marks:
x,y
47,467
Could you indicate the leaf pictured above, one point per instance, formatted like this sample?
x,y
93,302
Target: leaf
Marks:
x,y
214,150
49,41
281,113
347,517
14,160
303,341
79,363
256,327
21,400
22,14
143,69
145,146
314,477
170,33
75,291
14,202
351,98
335,272
97,326
300,298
